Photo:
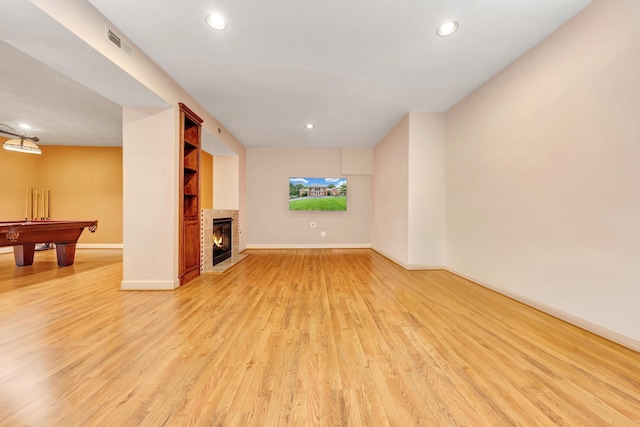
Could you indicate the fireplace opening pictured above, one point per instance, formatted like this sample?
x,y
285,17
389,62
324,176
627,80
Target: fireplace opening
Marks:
x,y
222,239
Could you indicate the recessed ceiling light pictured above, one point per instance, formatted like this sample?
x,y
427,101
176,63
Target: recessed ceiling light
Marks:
x,y
215,20
25,126
309,125
447,28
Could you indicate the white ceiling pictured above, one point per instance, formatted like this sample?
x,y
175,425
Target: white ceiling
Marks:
x,y
45,78
61,111
354,68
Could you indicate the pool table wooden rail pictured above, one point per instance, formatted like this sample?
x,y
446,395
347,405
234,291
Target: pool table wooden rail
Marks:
x,y
23,236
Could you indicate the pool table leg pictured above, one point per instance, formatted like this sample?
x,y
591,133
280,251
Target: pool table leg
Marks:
x,y
23,254
66,253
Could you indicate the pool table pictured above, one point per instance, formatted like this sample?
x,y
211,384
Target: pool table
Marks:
x,y
23,236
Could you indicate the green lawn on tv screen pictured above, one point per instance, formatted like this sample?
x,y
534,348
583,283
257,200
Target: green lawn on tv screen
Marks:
x,y
338,203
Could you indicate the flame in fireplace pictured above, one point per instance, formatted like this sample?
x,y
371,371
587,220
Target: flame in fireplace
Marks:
x,y
217,240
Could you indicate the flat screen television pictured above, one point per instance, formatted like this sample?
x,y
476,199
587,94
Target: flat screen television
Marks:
x,y
317,194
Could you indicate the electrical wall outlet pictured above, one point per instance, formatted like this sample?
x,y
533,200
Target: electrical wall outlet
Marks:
x,y
313,224
323,234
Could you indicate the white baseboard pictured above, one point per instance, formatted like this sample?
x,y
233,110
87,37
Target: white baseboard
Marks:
x,y
409,266
6,250
99,246
310,246
423,267
569,318
149,285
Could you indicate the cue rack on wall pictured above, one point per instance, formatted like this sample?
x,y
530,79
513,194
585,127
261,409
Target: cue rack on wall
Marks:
x,y
37,205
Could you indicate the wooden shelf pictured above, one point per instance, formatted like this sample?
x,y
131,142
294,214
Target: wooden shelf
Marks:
x,y
189,150
192,135
189,213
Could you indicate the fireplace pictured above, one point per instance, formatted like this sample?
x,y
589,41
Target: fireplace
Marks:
x,y
222,239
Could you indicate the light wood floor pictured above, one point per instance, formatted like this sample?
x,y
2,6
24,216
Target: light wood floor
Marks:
x,y
304,337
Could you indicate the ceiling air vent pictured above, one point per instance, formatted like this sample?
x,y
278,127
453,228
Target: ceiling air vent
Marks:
x,y
118,42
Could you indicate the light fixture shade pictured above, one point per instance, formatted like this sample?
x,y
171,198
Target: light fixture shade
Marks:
x,y
21,145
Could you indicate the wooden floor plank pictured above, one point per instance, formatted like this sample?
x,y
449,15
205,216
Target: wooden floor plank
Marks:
x,y
308,337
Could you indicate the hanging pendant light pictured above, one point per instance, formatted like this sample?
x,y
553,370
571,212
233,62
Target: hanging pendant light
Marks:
x,y
22,143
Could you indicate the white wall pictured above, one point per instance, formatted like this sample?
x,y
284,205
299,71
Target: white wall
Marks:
x,y
390,227
408,192
269,221
150,188
542,175
426,190
226,184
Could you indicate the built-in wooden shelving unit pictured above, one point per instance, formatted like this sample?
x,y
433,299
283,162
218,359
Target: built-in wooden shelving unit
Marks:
x,y
189,215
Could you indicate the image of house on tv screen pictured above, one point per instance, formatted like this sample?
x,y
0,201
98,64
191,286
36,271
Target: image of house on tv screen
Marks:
x,y
317,194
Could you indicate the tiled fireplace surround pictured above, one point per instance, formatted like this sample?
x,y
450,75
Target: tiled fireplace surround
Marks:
x,y
206,240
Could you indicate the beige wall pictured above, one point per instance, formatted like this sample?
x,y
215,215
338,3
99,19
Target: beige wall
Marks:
x,y
17,172
357,161
85,183
269,222
542,175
